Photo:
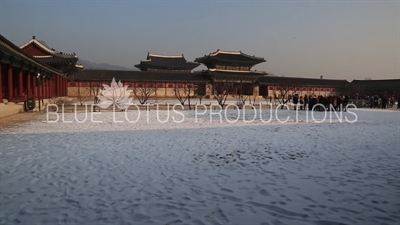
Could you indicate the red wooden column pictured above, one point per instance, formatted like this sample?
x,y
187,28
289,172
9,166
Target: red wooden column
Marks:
x,y
66,86
60,86
40,91
20,83
43,87
48,88
1,84
52,87
28,84
57,85
10,83
34,93
64,94
52,82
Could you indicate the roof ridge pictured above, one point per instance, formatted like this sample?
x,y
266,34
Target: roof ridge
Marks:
x,y
34,41
235,53
49,50
311,78
238,71
226,52
8,44
165,56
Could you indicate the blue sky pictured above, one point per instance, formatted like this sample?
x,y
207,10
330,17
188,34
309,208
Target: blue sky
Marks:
x,y
336,39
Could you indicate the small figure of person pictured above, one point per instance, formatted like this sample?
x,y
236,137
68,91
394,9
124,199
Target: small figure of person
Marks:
x,y
295,101
301,102
305,101
398,102
345,102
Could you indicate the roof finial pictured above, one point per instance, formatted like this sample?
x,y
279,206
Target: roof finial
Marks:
x,y
33,37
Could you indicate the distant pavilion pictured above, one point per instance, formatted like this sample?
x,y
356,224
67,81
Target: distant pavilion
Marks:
x,y
166,63
231,71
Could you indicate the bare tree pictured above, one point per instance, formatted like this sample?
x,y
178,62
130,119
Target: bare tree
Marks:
x,y
144,91
221,92
95,88
281,93
96,85
253,96
190,93
241,99
57,102
184,92
82,95
200,91
181,93
246,92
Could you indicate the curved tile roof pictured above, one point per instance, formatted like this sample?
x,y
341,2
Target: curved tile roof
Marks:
x,y
177,62
47,49
9,48
230,56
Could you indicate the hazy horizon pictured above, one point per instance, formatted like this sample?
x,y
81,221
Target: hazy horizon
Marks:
x,y
335,39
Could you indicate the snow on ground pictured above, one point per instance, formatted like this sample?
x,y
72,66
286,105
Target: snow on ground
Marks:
x,y
202,172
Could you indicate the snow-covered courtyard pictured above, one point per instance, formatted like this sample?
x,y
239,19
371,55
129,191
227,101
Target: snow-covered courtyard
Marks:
x,y
194,170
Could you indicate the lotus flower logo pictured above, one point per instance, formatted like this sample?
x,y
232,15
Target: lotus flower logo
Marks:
x,y
116,95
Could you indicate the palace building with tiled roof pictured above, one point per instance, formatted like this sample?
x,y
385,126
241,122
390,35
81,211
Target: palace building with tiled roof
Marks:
x,y
33,71
65,62
172,63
